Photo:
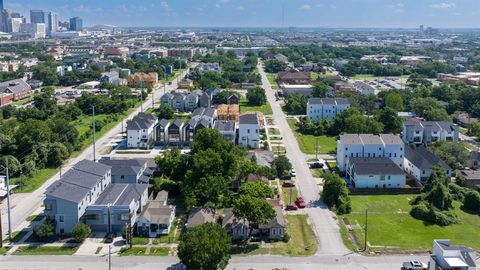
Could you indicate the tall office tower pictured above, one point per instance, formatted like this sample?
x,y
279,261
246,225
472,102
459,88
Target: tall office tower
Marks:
x,y
1,5
15,24
51,22
37,16
5,16
76,24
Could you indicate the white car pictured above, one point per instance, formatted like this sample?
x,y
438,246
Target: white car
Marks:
x,y
415,265
293,173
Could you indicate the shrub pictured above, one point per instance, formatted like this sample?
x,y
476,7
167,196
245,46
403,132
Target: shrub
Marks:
x,y
420,211
45,231
458,192
344,205
442,218
471,201
80,232
286,237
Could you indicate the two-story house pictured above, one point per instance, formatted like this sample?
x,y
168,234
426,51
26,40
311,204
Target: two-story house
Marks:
x,y
141,131
128,171
378,172
227,128
178,102
326,108
369,145
419,162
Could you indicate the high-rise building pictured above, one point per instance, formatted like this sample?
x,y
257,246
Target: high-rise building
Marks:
x,y
36,30
15,24
5,16
76,24
1,5
37,16
51,23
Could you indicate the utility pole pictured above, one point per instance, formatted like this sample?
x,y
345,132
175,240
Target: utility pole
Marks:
x,y
93,116
21,179
8,204
1,232
366,228
109,257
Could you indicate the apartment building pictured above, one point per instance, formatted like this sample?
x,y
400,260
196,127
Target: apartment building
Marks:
x,y
249,131
363,88
427,132
141,131
369,145
378,172
326,108
142,80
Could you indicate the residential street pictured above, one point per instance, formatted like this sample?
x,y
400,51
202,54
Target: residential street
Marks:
x,y
325,226
23,205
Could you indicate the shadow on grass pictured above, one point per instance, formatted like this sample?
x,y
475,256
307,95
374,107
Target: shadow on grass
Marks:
x,y
243,248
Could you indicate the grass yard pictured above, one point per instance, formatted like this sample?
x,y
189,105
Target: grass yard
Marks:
x,y
278,150
134,251
31,183
265,109
390,224
302,241
307,143
273,131
139,240
272,79
34,218
363,76
287,192
18,235
45,250
317,173
159,251
3,250
173,235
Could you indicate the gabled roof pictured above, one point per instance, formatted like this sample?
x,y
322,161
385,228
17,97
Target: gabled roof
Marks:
x,y
230,222
424,159
374,166
125,166
141,121
121,194
14,86
157,214
249,119
199,216
278,220
178,123
92,167
225,125
163,123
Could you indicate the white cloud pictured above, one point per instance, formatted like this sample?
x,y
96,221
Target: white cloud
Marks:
x,y
306,7
240,8
444,5
164,4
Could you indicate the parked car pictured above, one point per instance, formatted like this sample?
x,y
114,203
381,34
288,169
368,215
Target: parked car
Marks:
x,y
415,265
300,202
293,173
288,184
316,165
291,207
109,238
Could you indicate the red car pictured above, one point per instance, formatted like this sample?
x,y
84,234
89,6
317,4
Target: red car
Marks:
x,y
291,207
288,184
300,202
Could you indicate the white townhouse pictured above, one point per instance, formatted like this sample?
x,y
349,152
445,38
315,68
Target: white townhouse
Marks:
x,y
363,88
141,131
379,172
249,130
322,108
369,145
419,162
427,132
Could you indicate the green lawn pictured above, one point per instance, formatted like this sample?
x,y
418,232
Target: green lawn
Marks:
x,y
31,183
34,218
317,173
265,109
390,224
172,237
3,250
363,76
307,143
287,192
45,250
159,251
302,241
134,251
139,240
272,78
314,76
273,131
18,235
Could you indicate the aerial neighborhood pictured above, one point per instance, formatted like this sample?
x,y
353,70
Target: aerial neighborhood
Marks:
x,y
314,148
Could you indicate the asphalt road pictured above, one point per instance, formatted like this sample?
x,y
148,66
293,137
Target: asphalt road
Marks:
x,y
23,205
324,224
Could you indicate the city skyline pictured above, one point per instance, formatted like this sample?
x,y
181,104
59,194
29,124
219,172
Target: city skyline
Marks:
x,y
266,13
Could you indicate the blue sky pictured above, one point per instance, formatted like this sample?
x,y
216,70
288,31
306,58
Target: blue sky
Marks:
x,y
263,13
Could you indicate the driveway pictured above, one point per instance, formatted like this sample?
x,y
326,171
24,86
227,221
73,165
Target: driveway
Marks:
x,y
325,225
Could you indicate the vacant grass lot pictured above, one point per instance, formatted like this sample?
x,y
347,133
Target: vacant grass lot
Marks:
x,y
44,250
265,109
307,143
302,241
31,183
390,224
272,79
287,193
140,251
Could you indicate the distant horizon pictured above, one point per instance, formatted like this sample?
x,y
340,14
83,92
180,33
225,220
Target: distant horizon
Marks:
x,y
383,14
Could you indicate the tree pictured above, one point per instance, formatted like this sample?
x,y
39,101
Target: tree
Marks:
x,y
362,124
390,120
165,112
436,176
335,193
453,153
58,152
205,247
282,165
275,66
46,231
440,197
256,189
254,210
320,90
471,201
474,129
169,162
296,103
80,232
13,164
416,81
256,96
394,101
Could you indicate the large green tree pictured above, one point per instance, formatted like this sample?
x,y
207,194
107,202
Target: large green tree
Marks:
x,y
254,210
256,189
335,193
205,247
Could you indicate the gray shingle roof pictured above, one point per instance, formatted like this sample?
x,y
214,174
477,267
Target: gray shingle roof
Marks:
x,y
66,191
121,194
92,167
124,166
375,166
15,86
225,125
141,121
249,119
424,159
199,216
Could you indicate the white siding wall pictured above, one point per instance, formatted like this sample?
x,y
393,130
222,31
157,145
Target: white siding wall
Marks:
x,y
379,181
249,135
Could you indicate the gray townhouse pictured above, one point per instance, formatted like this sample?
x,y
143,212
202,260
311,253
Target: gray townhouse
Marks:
x,y
228,129
128,171
205,100
161,132
66,200
427,132
178,102
191,100
166,99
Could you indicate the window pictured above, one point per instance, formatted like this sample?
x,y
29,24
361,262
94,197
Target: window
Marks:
x,y
248,131
346,148
395,155
124,217
379,149
48,207
390,155
382,178
61,218
122,177
389,177
92,217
